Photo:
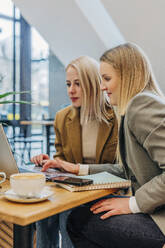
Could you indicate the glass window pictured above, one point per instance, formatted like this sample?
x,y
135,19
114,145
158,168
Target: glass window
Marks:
x,y
17,69
17,13
6,60
40,76
10,42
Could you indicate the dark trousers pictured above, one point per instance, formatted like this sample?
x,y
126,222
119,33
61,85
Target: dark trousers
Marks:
x,y
132,230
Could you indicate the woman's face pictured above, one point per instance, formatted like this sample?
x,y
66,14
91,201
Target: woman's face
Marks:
x,y
110,82
73,87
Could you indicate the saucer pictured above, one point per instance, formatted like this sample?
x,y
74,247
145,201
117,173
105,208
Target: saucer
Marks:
x,y
44,195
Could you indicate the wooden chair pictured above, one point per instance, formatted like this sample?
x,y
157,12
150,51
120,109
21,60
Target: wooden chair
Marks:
x,y
6,235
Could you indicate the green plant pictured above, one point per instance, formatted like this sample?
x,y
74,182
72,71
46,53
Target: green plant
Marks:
x,y
12,93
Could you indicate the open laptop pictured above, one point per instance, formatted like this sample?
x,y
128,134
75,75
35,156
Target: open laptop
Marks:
x,y
8,163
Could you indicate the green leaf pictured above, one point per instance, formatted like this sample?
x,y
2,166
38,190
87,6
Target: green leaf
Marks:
x,y
13,93
24,102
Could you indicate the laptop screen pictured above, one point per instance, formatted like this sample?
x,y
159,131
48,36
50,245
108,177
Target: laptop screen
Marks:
x,y
7,161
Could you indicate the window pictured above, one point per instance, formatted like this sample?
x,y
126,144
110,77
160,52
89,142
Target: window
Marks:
x,y
9,55
40,75
10,63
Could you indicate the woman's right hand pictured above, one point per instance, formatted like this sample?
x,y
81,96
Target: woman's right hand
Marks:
x,y
39,159
62,165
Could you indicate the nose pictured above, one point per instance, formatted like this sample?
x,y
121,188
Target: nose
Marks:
x,y
72,89
103,86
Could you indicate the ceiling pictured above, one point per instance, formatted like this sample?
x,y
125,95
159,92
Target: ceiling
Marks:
x,y
82,27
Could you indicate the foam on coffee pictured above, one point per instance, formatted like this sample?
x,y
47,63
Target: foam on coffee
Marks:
x,y
27,176
27,184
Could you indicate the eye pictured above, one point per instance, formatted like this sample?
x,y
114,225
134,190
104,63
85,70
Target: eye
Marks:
x,y
77,83
107,78
68,84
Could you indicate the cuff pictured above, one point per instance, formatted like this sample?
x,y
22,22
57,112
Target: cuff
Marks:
x,y
83,169
133,205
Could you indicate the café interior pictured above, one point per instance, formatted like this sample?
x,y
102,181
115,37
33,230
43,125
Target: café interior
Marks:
x,y
37,41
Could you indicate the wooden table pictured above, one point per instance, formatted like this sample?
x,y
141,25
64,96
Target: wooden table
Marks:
x,y
47,125
22,215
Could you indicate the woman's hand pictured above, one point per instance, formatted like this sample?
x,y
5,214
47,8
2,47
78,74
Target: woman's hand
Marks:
x,y
62,165
39,159
112,206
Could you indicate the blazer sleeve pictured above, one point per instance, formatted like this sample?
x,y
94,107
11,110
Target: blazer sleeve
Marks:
x,y
58,143
114,169
147,123
108,155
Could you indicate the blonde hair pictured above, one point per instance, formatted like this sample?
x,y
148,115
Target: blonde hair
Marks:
x,y
93,100
134,70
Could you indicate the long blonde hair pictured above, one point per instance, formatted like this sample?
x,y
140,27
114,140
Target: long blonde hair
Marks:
x,y
93,100
134,70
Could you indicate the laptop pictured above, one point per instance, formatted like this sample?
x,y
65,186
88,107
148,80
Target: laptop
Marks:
x,y
9,165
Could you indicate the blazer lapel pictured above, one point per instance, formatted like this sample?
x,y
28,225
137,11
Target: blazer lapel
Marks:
x,y
122,145
103,134
74,133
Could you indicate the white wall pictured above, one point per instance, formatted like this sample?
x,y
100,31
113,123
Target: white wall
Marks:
x,y
67,28
142,22
71,32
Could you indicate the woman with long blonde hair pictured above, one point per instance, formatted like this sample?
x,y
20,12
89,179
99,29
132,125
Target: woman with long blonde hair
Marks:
x,y
86,133
139,220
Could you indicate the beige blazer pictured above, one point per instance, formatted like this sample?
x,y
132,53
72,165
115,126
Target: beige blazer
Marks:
x,y
142,147
68,141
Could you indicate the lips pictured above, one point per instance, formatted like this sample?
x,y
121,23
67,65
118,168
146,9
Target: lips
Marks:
x,y
74,99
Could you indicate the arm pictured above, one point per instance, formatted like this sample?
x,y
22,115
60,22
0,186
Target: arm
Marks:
x,y
109,152
115,169
58,143
62,165
146,121
153,190
59,160
38,160
92,168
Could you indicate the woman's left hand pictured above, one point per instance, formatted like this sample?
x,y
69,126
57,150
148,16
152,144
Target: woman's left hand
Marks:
x,y
112,206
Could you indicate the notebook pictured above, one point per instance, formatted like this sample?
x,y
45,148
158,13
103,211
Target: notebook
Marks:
x,y
102,180
8,163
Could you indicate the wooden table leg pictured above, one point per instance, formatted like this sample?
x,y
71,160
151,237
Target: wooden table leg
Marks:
x,y
23,236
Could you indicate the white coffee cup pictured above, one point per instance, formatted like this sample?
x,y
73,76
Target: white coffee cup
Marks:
x,y
27,184
2,177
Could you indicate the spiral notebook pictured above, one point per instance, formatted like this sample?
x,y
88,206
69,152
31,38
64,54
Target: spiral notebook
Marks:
x,y
102,180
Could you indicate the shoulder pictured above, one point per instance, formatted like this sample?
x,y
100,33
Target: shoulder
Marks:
x,y
145,98
146,103
145,109
63,113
